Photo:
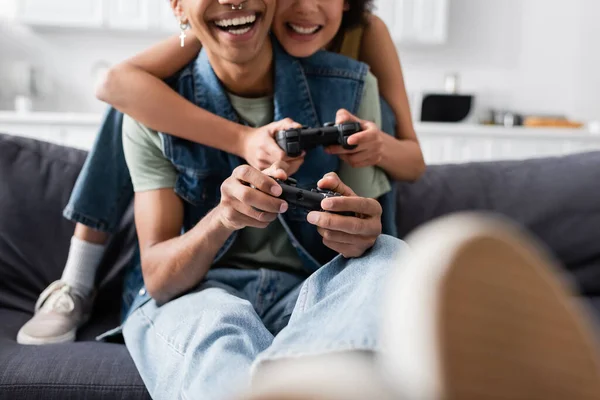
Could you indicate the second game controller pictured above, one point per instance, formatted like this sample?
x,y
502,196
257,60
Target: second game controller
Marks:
x,y
307,199
295,141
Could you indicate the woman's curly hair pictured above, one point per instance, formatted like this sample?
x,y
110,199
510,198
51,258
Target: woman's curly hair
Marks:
x,y
356,14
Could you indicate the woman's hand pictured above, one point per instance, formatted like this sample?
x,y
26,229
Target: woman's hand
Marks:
x,y
261,150
369,142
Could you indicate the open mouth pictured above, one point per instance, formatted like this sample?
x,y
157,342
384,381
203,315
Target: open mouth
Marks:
x,y
238,25
304,29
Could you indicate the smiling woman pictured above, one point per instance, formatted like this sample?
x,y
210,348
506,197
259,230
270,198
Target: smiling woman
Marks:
x,y
305,27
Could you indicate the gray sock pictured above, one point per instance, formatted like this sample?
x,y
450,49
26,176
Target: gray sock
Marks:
x,y
83,260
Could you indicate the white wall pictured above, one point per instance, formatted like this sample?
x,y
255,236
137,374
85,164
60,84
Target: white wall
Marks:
x,y
523,55
587,70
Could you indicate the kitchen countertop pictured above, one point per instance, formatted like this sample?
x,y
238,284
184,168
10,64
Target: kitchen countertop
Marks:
x,y
50,118
422,128
431,128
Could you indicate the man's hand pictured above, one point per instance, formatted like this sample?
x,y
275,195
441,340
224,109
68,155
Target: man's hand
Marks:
x,y
261,150
370,143
349,236
247,197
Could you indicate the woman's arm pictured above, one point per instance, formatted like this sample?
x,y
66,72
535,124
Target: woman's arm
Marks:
x,y
135,87
402,156
167,57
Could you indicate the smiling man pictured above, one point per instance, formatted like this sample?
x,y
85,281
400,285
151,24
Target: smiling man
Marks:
x,y
230,289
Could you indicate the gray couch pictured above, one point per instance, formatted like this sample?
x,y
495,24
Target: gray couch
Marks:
x,y
558,199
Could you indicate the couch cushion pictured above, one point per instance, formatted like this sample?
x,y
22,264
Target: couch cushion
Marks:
x,y
36,180
86,369
558,199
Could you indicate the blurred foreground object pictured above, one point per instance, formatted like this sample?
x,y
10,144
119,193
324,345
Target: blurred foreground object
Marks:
x,y
480,312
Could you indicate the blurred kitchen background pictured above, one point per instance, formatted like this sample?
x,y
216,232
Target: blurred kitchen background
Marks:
x,y
487,79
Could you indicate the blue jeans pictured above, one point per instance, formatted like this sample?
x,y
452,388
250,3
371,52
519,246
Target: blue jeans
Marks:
x,y
205,344
103,190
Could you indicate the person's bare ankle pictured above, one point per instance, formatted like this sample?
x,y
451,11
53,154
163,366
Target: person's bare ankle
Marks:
x,y
87,234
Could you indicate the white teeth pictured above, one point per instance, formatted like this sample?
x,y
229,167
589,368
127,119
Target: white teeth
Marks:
x,y
304,31
224,23
240,31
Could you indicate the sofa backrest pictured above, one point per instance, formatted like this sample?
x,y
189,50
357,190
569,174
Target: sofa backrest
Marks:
x,y
557,199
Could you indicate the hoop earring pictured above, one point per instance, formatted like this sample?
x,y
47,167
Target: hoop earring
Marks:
x,y
183,26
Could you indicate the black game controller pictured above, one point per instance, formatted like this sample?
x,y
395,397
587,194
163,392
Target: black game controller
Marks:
x,y
307,199
295,141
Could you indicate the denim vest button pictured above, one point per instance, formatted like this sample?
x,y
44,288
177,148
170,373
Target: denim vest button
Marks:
x,y
142,292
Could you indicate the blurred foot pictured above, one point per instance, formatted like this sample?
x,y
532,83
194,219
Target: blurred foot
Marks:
x,y
340,376
59,312
479,312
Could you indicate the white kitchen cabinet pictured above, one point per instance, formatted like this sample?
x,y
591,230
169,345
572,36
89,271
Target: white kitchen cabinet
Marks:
x,y
421,22
127,15
64,13
131,14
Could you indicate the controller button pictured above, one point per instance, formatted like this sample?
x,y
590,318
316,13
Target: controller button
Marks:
x,y
293,148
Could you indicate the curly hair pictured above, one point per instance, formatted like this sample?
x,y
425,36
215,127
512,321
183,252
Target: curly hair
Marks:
x,y
356,14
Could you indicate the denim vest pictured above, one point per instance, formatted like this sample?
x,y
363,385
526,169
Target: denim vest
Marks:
x,y
310,91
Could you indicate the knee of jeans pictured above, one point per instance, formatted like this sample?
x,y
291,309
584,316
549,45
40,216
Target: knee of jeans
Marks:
x,y
387,247
382,258
195,319
389,242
